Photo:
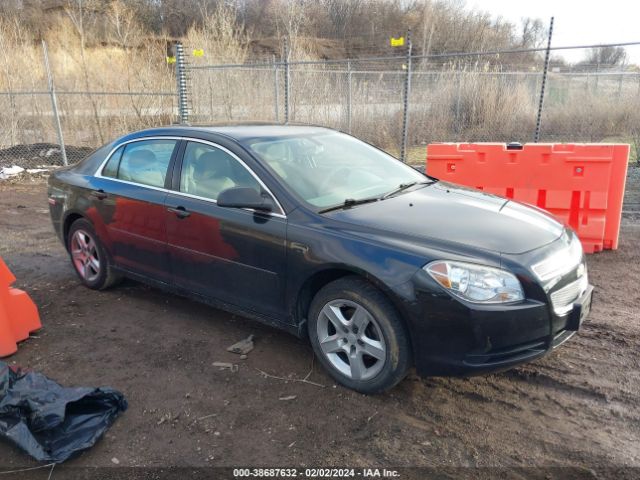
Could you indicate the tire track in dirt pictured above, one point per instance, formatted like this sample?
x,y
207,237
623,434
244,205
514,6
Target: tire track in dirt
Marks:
x,y
576,406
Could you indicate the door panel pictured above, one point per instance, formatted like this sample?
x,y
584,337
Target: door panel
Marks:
x,y
133,209
138,232
234,255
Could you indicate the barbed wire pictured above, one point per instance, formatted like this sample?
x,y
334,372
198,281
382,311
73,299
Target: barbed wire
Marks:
x,y
418,57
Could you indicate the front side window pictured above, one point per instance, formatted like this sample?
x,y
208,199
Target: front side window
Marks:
x,y
145,162
207,171
327,168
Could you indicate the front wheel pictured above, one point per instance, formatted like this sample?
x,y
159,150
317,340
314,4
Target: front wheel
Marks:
x,y
358,336
89,258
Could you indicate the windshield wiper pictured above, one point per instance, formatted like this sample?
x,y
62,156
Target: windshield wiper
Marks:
x,y
402,187
349,202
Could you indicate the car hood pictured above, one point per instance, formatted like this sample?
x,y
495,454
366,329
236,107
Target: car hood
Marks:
x,y
452,213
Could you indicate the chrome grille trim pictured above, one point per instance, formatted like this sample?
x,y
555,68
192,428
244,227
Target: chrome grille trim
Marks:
x,y
562,299
560,263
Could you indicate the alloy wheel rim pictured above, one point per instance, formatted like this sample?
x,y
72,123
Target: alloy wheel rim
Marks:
x,y
351,339
84,254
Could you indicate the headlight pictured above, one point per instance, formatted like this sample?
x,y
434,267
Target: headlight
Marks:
x,y
476,283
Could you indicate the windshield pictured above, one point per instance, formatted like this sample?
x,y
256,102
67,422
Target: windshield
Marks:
x,y
328,168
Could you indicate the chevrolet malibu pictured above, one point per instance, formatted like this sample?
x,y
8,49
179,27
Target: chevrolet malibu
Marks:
x,y
315,232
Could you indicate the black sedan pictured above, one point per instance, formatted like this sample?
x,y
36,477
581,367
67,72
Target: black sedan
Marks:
x,y
327,237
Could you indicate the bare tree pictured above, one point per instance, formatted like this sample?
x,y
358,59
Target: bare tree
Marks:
x,y
533,33
125,30
8,41
290,17
342,14
223,40
78,13
606,56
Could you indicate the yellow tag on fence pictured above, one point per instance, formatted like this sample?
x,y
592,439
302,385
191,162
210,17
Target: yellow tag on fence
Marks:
x,y
171,59
198,52
397,42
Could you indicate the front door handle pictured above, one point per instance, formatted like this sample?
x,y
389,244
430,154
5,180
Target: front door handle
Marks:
x,y
99,194
180,212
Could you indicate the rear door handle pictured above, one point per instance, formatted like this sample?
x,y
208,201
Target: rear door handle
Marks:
x,y
99,194
180,212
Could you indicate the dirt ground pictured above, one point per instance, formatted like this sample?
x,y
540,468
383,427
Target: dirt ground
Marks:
x,y
578,407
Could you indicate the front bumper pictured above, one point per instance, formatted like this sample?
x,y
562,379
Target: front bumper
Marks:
x,y
452,338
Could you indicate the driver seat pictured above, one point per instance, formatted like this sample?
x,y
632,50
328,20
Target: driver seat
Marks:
x,y
212,174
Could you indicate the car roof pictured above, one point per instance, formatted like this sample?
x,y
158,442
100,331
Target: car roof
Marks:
x,y
242,132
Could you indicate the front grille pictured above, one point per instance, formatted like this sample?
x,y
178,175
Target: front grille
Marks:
x,y
559,263
562,299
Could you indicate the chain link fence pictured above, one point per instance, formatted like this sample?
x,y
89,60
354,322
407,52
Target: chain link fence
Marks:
x,y
459,98
44,127
28,137
88,119
451,100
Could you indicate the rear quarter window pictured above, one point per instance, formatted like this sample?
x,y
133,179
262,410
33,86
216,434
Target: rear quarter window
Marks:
x,y
145,162
111,168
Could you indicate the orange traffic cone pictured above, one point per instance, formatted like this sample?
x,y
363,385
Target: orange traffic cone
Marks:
x,y
7,341
18,314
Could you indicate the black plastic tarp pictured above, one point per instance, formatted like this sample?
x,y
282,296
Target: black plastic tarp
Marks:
x,y
49,422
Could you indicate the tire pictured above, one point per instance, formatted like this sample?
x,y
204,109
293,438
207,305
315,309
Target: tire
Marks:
x,y
371,360
90,259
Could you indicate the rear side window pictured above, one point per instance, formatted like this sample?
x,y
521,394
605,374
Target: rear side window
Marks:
x,y
111,168
145,162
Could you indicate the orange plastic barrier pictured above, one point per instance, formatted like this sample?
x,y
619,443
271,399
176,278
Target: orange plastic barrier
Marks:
x,y
582,185
18,314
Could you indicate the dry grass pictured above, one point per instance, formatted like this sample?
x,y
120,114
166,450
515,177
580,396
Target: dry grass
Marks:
x,y
455,103
109,74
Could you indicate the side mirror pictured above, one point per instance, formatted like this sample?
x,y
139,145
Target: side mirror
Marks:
x,y
245,197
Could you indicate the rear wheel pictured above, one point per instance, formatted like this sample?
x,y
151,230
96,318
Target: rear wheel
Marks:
x,y
89,258
358,336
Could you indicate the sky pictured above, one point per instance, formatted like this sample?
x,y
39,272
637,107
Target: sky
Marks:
x,y
576,22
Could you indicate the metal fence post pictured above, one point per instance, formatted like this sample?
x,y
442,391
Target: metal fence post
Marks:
x,y
181,78
620,79
54,104
586,85
276,92
457,128
349,96
287,81
545,71
405,100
